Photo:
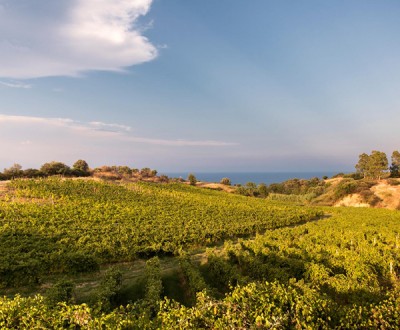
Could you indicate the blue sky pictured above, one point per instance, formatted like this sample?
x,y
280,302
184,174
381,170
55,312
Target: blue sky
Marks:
x,y
178,85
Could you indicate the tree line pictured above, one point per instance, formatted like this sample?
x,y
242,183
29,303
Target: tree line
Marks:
x,y
376,165
79,169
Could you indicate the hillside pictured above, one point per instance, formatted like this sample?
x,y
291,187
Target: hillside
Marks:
x,y
172,256
69,225
379,194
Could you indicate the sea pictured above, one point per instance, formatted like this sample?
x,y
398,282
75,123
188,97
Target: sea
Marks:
x,y
256,177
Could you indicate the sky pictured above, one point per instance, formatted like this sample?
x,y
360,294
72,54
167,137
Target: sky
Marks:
x,y
202,86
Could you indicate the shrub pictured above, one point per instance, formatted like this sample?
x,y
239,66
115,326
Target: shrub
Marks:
x,y
80,168
369,197
76,262
344,188
192,179
32,173
55,168
107,293
62,291
226,181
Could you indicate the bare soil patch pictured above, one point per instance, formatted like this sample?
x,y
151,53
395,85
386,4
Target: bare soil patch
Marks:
x,y
390,195
217,186
354,200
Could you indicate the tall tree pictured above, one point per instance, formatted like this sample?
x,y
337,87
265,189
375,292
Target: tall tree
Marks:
x,y
80,168
192,179
395,166
377,164
14,171
362,165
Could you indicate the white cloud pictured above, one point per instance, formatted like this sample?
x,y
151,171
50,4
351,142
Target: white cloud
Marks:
x,y
94,130
69,37
97,125
31,141
15,84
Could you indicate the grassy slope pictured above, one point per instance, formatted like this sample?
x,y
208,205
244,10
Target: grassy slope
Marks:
x,y
70,226
350,259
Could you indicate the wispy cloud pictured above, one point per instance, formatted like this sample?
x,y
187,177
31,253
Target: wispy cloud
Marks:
x,y
81,35
100,126
15,84
97,129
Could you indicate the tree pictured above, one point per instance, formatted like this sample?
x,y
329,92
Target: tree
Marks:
x,y
225,181
124,170
32,173
377,164
145,172
55,168
362,165
14,171
263,190
192,179
373,165
81,168
395,166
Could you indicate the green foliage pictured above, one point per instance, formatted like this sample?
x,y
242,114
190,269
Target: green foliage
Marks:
x,y
262,190
62,291
268,305
12,172
362,187
313,186
72,226
249,189
193,278
345,187
147,172
192,179
107,293
338,273
78,262
81,168
32,173
395,166
55,168
226,181
154,285
373,166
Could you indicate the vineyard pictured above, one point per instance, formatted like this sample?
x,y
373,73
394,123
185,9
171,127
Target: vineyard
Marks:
x,y
51,225
221,261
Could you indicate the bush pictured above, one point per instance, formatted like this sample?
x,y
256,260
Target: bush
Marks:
x,y
62,291
108,291
338,175
55,168
32,173
192,179
75,262
369,197
344,188
80,168
226,181
153,285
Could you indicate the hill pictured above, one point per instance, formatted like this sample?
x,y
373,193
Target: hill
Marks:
x,y
361,193
172,256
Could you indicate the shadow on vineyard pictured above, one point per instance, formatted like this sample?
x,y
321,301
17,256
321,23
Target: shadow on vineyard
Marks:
x,y
149,256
